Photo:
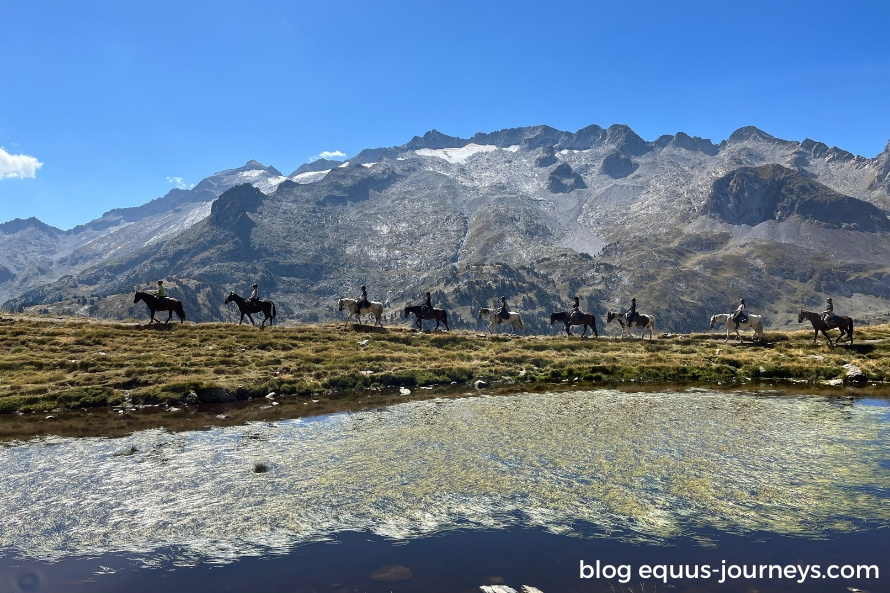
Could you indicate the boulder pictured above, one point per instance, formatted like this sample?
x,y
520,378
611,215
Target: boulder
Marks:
x,y
854,374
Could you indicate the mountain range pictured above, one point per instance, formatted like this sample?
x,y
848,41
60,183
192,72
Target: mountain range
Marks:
x,y
535,214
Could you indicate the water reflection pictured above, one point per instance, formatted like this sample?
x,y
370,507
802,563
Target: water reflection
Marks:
x,y
637,467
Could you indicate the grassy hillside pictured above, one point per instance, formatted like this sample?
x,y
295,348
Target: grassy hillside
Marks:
x,y
60,363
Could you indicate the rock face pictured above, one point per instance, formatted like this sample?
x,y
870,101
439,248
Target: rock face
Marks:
x,y
618,166
752,195
547,158
563,180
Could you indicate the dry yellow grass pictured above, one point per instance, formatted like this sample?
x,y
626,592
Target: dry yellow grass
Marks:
x,y
48,363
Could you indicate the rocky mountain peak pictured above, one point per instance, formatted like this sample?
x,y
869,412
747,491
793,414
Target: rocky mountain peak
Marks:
x,y
253,165
435,139
746,133
626,141
695,144
316,165
18,225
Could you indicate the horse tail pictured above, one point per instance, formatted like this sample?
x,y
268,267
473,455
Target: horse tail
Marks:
x,y
851,330
274,313
181,312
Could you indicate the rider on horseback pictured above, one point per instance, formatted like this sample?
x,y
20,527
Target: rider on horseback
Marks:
x,y
254,296
632,312
427,307
576,309
740,315
162,292
503,313
828,313
362,301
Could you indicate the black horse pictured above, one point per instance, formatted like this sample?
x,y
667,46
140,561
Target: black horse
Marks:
x,y
267,308
437,314
585,319
156,303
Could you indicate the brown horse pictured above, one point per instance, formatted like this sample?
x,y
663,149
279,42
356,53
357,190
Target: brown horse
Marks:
x,y
267,308
844,324
437,314
585,319
647,322
156,303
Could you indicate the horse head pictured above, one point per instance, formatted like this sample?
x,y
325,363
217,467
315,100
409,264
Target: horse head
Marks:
x,y
802,316
139,296
340,304
552,318
230,298
713,321
482,313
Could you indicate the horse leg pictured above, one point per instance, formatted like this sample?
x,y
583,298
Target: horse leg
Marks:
x,y
169,316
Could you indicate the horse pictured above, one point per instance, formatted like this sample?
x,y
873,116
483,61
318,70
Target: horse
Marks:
x,y
156,303
647,322
437,314
495,319
844,324
267,308
754,322
376,309
585,319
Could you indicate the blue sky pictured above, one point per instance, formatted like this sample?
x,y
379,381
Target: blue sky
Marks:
x,y
112,104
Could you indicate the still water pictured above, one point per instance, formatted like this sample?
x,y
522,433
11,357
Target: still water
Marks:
x,y
450,494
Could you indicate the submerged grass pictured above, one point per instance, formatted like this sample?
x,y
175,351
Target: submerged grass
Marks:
x,y
48,364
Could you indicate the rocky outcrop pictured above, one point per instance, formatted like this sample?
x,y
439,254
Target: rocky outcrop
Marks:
x,y
232,209
563,180
752,195
618,166
547,158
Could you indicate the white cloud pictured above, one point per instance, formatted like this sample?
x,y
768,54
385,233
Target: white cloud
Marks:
x,y
179,182
328,154
19,166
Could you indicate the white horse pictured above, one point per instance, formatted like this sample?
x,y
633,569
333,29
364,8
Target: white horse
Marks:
x,y
376,309
754,322
494,319
647,322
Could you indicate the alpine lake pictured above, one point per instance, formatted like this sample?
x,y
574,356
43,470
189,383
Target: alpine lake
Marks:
x,y
590,490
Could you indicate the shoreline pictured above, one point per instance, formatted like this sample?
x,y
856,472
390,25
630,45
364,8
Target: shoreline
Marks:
x,y
112,374
118,422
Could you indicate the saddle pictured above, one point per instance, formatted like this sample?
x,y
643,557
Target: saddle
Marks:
x,y
503,315
741,317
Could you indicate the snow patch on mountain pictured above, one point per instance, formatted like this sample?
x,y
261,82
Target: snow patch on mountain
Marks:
x,y
310,177
456,155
